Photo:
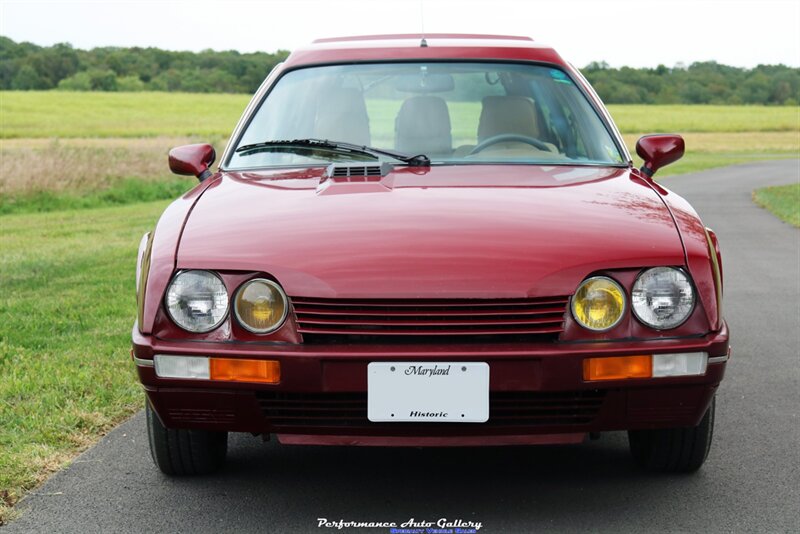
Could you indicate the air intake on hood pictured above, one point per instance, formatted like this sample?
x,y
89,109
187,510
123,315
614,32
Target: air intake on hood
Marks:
x,y
339,170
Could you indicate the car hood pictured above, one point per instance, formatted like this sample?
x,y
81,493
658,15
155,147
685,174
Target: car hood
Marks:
x,y
481,231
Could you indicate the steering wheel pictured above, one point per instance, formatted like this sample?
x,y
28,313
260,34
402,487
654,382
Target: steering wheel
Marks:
x,y
509,138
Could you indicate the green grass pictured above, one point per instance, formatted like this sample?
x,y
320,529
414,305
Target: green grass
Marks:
x,y
36,114
699,161
707,150
685,118
67,306
783,201
126,191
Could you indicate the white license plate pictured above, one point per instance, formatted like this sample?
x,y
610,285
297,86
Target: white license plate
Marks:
x,y
452,392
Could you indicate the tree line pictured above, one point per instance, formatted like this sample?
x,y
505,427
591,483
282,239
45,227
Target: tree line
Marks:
x,y
26,66
705,82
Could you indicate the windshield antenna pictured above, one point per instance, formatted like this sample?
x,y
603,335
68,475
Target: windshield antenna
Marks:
x,y
423,43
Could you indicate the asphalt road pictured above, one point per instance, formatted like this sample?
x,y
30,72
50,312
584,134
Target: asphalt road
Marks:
x,y
751,481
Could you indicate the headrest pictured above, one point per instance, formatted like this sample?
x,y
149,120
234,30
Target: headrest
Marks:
x,y
342,116
507,115
423,126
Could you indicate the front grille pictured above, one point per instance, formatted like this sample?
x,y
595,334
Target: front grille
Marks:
x,y
429,317
506,409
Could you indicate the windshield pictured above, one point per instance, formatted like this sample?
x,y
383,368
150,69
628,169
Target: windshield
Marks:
x,y
453,113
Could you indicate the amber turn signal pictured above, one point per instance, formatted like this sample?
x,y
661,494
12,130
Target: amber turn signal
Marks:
x,y
618,367
262,371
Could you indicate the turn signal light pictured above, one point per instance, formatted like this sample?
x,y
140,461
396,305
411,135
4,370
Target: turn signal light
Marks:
x,y
262,371
618,367
226,369
646,366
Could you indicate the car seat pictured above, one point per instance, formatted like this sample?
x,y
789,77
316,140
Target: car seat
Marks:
x,y
422,126
342,116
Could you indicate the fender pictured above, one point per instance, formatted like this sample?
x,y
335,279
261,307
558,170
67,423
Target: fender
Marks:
x,y
166,238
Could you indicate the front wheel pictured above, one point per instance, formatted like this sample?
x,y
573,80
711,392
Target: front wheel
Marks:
x,y
674,450
184,452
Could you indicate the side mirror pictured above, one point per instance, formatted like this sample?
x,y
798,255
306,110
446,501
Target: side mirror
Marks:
x,y
192,160
659,151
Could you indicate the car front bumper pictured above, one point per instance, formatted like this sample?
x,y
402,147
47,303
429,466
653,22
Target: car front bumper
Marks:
x,y
537,392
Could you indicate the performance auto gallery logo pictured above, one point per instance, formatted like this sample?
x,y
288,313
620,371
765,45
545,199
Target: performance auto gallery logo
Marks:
x,y
412,526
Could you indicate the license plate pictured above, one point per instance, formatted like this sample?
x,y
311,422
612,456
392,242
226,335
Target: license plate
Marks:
x,y
447,392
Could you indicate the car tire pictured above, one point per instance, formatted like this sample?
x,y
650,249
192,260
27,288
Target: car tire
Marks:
x,y
179,452
673,450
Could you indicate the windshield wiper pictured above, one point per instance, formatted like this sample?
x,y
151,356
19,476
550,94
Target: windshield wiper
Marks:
x,y
420,160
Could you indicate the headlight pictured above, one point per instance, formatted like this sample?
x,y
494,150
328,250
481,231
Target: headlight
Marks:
x,y
598,303
663,297
197,301
260,306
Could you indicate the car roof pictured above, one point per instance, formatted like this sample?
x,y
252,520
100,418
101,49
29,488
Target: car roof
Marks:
x,y
423,47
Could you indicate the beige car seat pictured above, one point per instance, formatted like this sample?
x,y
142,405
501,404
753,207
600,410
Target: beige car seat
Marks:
x,y
342,116
422,126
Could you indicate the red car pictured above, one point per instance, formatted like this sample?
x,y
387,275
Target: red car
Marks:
x,y
429,241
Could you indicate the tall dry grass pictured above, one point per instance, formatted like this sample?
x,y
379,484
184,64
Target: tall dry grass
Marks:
x,y
29,166
737,142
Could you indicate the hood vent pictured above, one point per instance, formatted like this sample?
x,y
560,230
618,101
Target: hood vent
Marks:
x,y
358,171
348,179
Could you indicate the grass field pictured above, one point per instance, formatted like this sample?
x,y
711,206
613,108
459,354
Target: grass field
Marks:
x,y
706,150
46,114
783,201
34,114
684,118
66,275
50,174
64,149
66,308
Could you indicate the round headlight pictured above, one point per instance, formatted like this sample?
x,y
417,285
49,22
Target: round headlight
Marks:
x,y
662,297
260,306
197,301
598,303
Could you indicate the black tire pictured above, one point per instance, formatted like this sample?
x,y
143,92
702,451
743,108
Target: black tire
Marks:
x,y
181,452
674,450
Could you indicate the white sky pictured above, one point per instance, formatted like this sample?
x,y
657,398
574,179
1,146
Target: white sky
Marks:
x,y
637,33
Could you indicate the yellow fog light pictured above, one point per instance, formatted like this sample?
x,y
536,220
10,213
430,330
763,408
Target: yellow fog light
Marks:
x,y
598,303
260,306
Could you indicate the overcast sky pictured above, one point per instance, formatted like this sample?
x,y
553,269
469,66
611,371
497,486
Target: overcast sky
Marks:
x,y
638,33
